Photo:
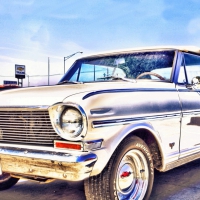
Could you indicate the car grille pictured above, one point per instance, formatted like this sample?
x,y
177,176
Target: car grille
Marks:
x,y
27,127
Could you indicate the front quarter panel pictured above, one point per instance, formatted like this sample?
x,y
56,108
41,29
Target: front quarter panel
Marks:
x,y
114,114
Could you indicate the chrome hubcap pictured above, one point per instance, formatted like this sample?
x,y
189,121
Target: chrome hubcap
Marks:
x,y
132,176
126,177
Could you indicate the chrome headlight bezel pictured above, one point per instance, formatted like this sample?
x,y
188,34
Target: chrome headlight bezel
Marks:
x,y
57,111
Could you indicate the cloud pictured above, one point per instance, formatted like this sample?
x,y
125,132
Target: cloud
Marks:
x,y
192,31
41,36
181,13
194,26
16,9
71,47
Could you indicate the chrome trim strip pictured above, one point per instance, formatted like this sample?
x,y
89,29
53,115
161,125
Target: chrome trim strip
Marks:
x,y
48,155
128,90
113,122
186,90
193,112
101,111
187,151
181,161
24,108
92,144
27,127
172,155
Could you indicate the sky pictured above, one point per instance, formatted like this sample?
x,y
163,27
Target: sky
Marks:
x,y
31,31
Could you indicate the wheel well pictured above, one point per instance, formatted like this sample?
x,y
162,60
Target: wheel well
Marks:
x,y
151,142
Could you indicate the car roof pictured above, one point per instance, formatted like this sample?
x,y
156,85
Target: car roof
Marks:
x,y
192,49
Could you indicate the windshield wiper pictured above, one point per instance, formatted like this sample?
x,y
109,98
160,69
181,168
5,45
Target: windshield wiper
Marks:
x,y
119,78
69,82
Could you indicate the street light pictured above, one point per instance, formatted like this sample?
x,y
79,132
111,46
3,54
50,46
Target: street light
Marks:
x,y
67,57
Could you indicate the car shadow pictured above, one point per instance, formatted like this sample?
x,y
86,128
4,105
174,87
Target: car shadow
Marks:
x,y
180,183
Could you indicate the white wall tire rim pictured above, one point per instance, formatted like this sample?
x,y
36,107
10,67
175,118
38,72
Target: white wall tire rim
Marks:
x,y
132,176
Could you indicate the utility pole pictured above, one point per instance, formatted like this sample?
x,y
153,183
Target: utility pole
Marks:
x,y
48,69
28,79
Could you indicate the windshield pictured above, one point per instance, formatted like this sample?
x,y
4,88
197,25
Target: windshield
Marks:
x,y
131,66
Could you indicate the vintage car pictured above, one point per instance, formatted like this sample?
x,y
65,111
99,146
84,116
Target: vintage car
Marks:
x,y
7,87
111,121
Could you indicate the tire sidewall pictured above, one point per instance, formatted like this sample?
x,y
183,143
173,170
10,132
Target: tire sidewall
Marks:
x,y
127,145
8,183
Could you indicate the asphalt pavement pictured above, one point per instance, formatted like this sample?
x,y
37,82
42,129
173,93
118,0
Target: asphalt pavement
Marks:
x,y
180,183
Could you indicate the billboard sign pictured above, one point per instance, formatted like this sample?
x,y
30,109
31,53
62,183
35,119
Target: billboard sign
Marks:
x,y
10,83
20,71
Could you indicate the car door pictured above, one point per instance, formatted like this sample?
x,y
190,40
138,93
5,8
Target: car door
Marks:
x,y
189,94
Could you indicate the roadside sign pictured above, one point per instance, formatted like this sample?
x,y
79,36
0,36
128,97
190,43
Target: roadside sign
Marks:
x,y
20,71
11,83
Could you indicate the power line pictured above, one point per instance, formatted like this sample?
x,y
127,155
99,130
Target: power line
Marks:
x,y
45,75
35,75
6,76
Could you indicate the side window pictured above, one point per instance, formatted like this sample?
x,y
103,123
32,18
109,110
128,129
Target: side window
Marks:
x,y
192,66
75,76
91,72
87,73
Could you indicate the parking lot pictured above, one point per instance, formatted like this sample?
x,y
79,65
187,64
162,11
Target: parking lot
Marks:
x,y
180,183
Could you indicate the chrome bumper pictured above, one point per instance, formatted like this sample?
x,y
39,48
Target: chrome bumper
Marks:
x,y
48,164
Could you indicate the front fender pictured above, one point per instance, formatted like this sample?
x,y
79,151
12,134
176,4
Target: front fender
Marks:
x,y
113,139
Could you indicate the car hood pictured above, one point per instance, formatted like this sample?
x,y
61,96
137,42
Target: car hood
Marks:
x,y
49,95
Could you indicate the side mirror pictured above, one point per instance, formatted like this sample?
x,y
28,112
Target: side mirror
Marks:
x,y
195,83
196,80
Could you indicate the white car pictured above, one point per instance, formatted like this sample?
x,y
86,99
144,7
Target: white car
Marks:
x,y
111,121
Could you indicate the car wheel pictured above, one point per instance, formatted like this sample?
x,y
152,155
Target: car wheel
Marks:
x,y
6,181
128,175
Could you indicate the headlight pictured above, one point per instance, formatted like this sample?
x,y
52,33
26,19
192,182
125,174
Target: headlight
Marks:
x,y
71,122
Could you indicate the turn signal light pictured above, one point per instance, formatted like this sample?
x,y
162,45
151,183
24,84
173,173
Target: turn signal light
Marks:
x,y
65,145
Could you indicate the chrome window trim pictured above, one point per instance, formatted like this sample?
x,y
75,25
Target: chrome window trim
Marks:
x,y
177,66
